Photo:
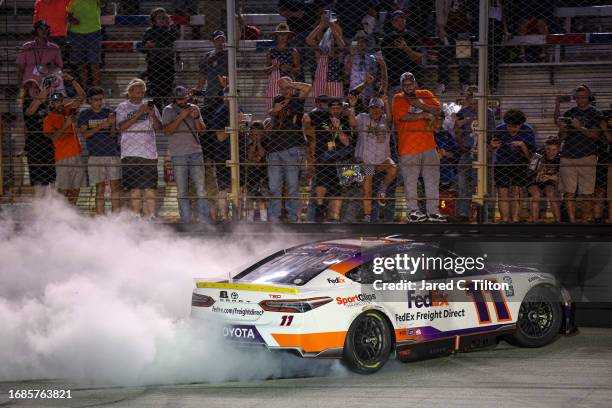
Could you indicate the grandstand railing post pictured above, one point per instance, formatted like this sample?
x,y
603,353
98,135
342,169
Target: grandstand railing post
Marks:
x,y
233,104
483,90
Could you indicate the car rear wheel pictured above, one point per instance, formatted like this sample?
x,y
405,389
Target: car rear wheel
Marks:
x,y
539,319
368,343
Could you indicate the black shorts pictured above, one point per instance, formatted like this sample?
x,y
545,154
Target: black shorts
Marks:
x,y
327,176
138,172
512,175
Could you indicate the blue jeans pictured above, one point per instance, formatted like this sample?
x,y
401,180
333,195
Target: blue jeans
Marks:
x,y
184,168
283,166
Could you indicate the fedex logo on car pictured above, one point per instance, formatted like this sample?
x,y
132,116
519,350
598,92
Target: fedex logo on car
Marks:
x,y
433,299
336,281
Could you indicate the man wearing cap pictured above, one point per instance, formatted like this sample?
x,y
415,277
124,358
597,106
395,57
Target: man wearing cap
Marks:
x,y
182,123
413,112
399,52
373,148
39,58
213,67
59,126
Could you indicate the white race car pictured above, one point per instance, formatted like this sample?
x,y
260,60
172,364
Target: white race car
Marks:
x,y
344,299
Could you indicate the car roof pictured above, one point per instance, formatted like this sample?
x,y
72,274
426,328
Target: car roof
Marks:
x,y
363,243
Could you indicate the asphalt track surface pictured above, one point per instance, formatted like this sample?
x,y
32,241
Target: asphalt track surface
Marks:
x,y
572,372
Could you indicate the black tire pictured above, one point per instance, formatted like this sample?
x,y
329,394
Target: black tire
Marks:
x,y
368,343
539,320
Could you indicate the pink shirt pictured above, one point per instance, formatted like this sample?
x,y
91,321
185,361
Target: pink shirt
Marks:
x,y
53,12
39,62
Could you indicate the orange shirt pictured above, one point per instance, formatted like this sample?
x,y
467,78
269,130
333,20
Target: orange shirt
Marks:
x,y
414,136
67,145
54,12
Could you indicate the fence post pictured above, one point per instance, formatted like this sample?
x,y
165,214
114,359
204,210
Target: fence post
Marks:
x,y
483,91
233,104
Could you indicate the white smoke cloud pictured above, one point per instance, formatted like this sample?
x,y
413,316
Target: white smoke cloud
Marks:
x,y
106,301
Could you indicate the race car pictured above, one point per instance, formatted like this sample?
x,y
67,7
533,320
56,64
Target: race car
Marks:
x,y
365,300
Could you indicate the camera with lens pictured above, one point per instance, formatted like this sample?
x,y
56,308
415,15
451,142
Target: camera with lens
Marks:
x,y
50,81
150,104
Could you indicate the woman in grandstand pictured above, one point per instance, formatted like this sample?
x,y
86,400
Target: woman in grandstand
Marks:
x,y
39,148
326,40
281,61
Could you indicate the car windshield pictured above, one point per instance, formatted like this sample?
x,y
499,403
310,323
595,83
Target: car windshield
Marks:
x,y
297,266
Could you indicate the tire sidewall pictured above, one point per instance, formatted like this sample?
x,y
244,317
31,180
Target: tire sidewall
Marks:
x,y
521,339
350,356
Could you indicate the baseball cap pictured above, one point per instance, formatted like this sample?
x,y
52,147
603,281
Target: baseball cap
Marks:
x,y
41,23
407,75
217,34
376,103
181,92
398,13
56,96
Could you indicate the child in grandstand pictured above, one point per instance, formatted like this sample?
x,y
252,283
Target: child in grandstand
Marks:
x,y
326,40
373,148
546,180
514,143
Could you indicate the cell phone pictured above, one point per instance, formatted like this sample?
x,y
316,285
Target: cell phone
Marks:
x,y
150,104
354,44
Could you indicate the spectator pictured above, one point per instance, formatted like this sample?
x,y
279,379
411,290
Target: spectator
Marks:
x,y
285,151
448,152
182,123
213,66
256,172
98,127
579,129
513,142
604,166
40,59
85,37
138,122
413,111
59,127
38,147
158,44
454,19
373,148
326,40
399,52
546,179
302,16
467,142
359,64
55,14
281,61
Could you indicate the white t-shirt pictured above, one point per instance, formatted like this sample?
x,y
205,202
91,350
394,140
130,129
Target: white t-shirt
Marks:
x,y
139,139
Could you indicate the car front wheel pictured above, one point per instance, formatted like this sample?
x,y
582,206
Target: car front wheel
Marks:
x,y
368,343
539,319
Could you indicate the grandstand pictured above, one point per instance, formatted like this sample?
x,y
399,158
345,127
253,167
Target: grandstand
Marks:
x,y
532,87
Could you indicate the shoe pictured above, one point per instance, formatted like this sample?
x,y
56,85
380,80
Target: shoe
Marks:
x,y
381,199
367,218
416,216
436,217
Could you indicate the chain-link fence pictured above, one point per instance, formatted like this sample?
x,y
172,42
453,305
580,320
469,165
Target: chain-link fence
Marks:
x,y
311,111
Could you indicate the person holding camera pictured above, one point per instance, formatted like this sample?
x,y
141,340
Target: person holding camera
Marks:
x,y
97,125
579,129
413,112
514,141
59,126
182,124
138,120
